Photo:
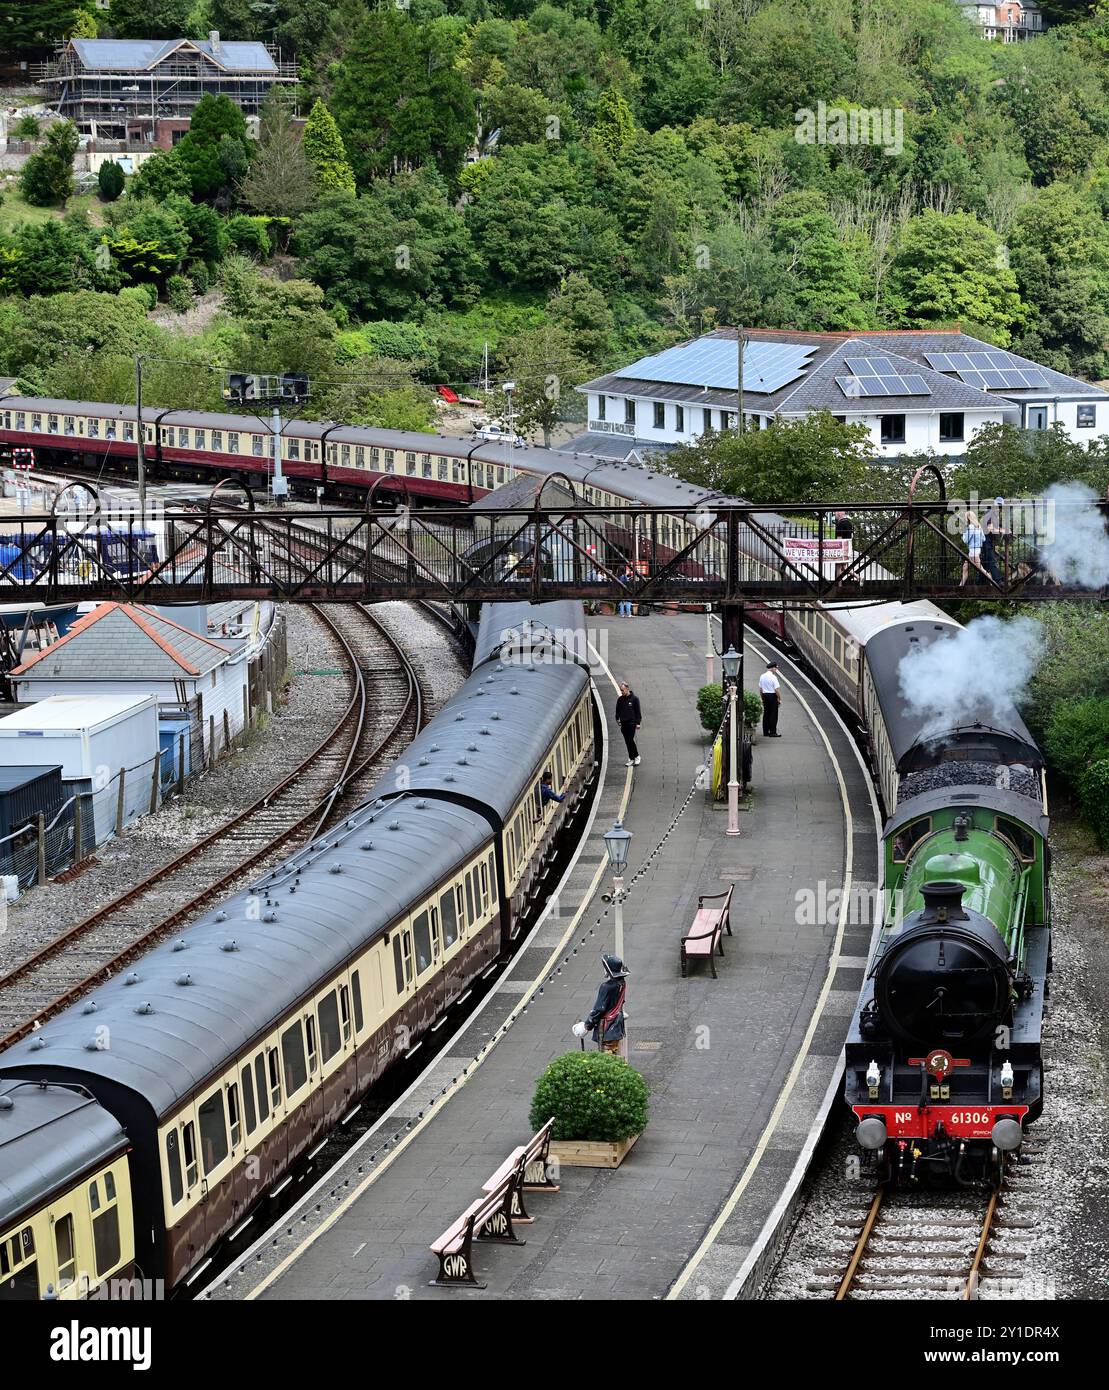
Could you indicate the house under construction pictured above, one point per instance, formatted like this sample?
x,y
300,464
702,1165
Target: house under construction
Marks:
x,y
117,89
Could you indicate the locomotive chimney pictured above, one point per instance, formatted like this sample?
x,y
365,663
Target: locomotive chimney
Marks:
x,y
943,901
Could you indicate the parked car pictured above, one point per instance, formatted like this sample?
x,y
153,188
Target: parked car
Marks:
x,y
494,433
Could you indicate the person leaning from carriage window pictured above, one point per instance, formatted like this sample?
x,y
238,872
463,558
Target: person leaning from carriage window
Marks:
x,y
630,717
973,537
547,791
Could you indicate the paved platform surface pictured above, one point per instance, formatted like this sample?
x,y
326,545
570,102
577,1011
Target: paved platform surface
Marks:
x,y
737,1066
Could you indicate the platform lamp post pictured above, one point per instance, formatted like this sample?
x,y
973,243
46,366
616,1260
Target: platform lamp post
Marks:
x,y
731,661
710,679
617,843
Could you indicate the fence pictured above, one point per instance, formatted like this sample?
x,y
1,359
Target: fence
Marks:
x,y
49,847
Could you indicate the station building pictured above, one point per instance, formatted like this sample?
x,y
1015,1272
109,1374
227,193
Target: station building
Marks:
x,y
913,390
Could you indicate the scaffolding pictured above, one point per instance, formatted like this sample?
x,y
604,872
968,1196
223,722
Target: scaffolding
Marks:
x,y
124,103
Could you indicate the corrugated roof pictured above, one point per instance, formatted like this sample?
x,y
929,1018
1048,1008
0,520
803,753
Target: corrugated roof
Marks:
x,y
123,641
49,1137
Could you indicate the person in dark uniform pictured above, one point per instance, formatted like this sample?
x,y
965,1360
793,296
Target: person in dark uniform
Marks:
x,y
629,716
606,1019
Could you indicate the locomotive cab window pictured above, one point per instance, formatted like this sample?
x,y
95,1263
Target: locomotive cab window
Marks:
x,y
908,836
1018,836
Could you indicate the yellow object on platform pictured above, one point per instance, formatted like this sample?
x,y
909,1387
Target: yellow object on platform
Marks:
x,y
717,766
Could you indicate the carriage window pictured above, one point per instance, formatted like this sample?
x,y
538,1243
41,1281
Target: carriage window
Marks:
x,y
217,441
232,443
485,887
110,430
837,648
213,1131
199,441
234,1120
173,1167
421,929
442,470
67,1253
109,1187
256,445
69,429
292,1053
908,836
425,465
398,963
330,1037
94,1197
167,435
389,460
105,1240
410,464
129,431
359,456
263,1088
248,1099
356,988
20,420
537,799
275,1078
344,1011
292,448
93,429
1018,836
448,918
188,1143
492,874
310,1034
469,901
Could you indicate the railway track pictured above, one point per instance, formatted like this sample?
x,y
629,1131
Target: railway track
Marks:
x,y
383,714
940,1245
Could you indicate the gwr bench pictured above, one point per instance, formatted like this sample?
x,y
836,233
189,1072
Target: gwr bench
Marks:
x,y
706,936
494,1216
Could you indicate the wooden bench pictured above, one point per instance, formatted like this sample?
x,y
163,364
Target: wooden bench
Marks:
x,y
494,1216
528,1165
706,936
489,1218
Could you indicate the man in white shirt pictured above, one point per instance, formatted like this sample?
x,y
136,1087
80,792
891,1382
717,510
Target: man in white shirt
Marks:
x,y
771,691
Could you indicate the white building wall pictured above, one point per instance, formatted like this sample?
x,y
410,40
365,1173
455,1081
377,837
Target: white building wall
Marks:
x,y
1066,413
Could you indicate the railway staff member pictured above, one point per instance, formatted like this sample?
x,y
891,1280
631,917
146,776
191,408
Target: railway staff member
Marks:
x,y
770,689
607,1017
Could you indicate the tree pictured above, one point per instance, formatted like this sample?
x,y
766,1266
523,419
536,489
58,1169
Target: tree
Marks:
x,y
29,23
584,316
400,97
150,19
546,367
37,331
214,151
1060,254
613,124
47,177
326,154
792,461
159,176
110,179
824,277
53,257
281,181
950,269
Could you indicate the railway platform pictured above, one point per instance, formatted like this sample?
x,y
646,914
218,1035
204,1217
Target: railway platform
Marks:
x,y
739,1066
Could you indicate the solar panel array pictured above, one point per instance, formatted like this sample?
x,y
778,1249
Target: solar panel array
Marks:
x,y
714,362
989,371
879,376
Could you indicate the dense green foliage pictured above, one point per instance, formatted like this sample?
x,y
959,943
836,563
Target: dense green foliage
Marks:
x,y
110,180
47,177
593,1096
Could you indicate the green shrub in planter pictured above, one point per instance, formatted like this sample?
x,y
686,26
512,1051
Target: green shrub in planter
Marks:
x,y
594,1097
710,706
752,708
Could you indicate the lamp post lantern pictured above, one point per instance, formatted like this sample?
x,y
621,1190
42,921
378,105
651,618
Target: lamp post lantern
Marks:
x,y
731,661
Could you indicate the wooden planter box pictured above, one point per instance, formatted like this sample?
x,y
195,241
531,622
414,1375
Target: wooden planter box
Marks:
x,y
583,1153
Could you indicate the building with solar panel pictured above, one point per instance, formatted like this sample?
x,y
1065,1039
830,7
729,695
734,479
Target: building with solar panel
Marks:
x,y
913,391
122,89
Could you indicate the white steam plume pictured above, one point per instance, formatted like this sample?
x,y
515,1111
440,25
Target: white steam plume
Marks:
x,y
1078,552
978,676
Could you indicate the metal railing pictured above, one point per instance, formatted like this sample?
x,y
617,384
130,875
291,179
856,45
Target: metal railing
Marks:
x,y
709,553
